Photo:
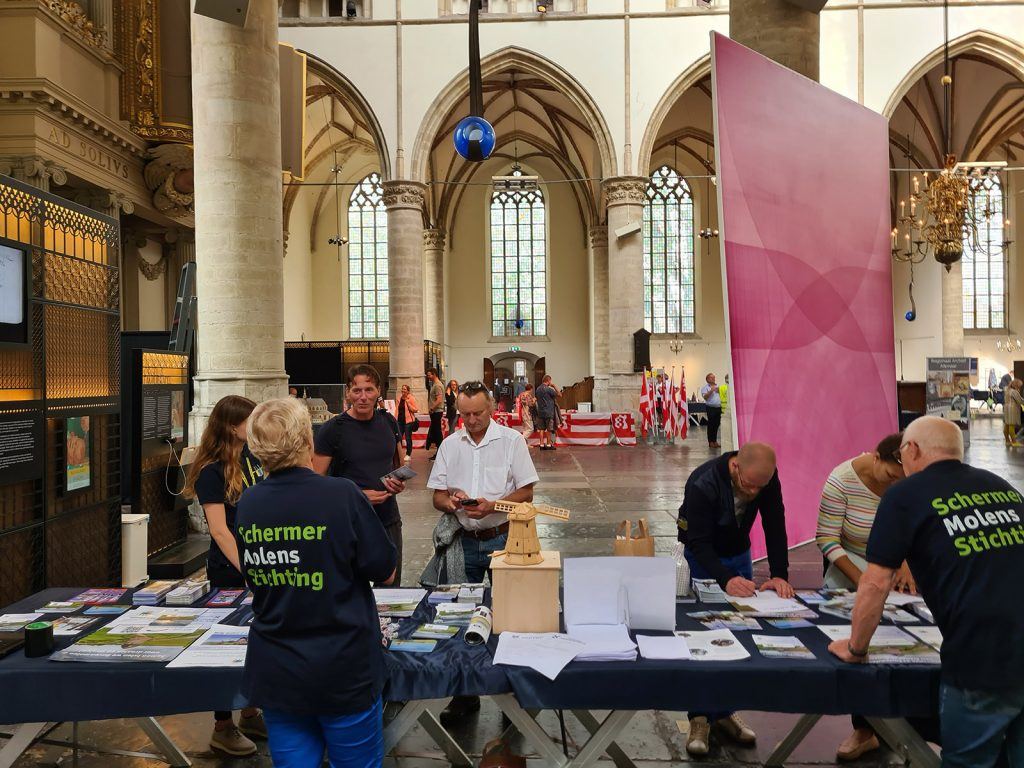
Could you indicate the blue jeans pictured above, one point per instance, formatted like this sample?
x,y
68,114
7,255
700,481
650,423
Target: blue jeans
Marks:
x,y
351,741
977,725
478,555
741,565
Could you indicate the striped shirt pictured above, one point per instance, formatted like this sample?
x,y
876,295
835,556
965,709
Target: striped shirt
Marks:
x,y
845,514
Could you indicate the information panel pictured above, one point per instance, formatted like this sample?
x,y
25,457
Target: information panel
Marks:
x,y
21,447
948,391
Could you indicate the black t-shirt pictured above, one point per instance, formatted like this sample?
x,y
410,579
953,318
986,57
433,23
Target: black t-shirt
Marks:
x,y
960,530
363,452
210,489
310,546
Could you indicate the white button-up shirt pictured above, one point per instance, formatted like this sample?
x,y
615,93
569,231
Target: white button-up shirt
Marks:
x,y
491,469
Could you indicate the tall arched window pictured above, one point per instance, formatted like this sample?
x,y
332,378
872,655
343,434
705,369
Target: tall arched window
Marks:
x,y
368,261
518,263
984,259
668,254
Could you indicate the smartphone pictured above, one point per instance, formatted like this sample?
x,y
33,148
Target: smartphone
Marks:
x,y
470,502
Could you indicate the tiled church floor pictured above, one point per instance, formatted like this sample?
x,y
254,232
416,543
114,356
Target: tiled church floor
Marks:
x,y
601,486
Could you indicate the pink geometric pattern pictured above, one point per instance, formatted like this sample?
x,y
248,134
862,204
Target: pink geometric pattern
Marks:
x,y
804,188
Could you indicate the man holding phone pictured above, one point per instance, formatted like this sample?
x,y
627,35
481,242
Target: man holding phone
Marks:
x,y
479,464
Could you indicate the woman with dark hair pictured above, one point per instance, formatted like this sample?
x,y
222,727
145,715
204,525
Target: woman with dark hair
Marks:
x,y
222,469
846,513
406,409
451,394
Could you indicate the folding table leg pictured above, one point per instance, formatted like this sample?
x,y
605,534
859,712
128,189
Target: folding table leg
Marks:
x,y
905,741
612,726
171,754
792,740
20,740
456,756
531,730
404,720
589,722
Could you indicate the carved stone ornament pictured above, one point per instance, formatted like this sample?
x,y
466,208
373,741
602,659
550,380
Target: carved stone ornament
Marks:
x,y
625,190
404,194
73,14
168,176
599,237
433,239
34,170
152,270
105,201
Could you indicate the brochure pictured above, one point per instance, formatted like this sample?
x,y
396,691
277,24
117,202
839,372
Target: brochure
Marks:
x,y
99,596
105,610
708,591
457,614
889,645
221,646
413,646
930,635
546,652
188,592
444,594
789,623
153,593
224,598
435,632
725,620
61,606
398,602
781,647
810,596
842,607
766,604
924,612
473,595
15,622
402,474
714,645
67,626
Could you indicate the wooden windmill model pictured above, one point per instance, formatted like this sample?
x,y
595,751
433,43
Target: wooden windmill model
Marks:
x,y
523,546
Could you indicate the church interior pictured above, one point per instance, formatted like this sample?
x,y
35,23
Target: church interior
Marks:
x,y
212,198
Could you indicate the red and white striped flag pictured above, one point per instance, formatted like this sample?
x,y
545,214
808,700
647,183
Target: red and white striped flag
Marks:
x,y
670,405
645,406
683,414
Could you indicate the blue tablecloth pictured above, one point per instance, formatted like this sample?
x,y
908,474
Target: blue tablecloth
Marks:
x,y
822,686
40,690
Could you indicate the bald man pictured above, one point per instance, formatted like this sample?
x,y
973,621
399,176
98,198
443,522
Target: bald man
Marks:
x,y
960,530
721,500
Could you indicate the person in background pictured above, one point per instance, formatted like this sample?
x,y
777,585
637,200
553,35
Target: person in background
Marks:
x,y
407,418
711,397
1005,381
721,501
435,406
1012,405
363,445
960,530
222,469
546,395
315,661
847,510
293,391
527,409
479,464
451,394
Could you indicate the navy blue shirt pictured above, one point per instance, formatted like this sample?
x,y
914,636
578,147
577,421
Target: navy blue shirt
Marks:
x,y
309,547
363,452
959,529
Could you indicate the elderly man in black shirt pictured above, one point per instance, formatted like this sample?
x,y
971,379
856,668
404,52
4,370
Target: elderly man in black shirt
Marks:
x,y
721,500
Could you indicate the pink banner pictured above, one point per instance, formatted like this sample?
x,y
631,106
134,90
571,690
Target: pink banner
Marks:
x,y
803,193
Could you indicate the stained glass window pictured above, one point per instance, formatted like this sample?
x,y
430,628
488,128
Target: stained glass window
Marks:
x,y
668,254
368,261
983,260
519,303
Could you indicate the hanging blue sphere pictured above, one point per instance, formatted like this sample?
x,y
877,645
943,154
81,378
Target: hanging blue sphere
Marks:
x,y
474,138
911,316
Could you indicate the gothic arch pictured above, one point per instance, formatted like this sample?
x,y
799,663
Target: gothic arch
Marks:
x,y
689,78
519,59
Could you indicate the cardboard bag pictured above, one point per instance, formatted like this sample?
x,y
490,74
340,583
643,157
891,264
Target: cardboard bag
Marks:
x,y
628,545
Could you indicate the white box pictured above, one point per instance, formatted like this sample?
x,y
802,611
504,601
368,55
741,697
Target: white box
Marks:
x,y
134,550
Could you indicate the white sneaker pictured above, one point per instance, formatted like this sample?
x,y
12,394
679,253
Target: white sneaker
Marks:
x,y
408,458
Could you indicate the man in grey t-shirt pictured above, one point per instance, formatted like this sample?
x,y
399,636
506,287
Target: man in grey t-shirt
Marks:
x,y
435,405
546,394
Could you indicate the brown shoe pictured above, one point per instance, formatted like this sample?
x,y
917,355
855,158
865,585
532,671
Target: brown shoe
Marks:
x,y
857,744
698,742
737,730
231,742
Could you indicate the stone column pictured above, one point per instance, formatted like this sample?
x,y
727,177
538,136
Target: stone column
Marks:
x,y
953,310
404,201
779,30
239,257
433,285
624,196
101,12
598,240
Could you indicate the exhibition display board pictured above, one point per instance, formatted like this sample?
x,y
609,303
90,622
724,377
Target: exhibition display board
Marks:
x,y
60,387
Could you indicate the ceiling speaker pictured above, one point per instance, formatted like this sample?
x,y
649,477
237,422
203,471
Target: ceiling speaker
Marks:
x,y
231,11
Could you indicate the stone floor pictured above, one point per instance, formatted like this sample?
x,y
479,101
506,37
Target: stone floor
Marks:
x,y
601,486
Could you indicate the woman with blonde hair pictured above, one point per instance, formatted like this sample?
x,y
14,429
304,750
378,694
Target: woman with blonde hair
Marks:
x,y
222,469
311,546
1012,405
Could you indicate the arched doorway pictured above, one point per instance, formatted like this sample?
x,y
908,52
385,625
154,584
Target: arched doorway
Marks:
x,y
508,373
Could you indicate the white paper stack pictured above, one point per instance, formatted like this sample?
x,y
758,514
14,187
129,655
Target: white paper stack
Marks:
x,y
603,642
471,594
708,591
188,593
548,653
668,647
455,614
153,593
765,604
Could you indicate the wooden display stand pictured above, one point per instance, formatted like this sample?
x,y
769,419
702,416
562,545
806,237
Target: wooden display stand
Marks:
x,y
525,599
